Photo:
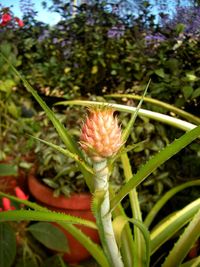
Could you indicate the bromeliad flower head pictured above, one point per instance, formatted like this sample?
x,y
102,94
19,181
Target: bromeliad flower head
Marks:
x,y
101,135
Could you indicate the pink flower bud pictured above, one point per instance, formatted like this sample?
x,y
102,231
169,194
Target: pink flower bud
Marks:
x,y
7,204
20,194
101,135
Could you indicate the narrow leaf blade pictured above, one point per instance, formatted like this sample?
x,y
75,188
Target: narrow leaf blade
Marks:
x,y
165,230
67,153
155,162
184,244
180,124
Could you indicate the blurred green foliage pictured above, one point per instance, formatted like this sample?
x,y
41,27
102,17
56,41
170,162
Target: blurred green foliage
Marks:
x,y
97,52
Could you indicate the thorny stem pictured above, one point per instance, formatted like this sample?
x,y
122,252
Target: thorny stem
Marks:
x,y
101,183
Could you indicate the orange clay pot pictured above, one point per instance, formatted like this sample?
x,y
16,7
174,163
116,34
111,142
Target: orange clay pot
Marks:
x,y
9,182
76,205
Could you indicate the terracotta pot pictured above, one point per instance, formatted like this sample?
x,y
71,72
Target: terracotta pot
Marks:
x,y
76,205
9,182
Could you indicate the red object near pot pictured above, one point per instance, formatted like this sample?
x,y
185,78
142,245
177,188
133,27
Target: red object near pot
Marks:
x,y
8,183
76,205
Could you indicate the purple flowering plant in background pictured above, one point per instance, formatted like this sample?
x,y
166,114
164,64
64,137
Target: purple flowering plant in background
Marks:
x,y
116,31
45,35
188,16
155,38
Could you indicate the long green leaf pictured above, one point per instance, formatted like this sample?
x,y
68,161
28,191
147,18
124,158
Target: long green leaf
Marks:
x,y
67,153
135,207
96,208
128,129
127,247
67,139
162,201
178,111
93,248
118,226
48,216
164,231
184,243
64,135
155,162
181,124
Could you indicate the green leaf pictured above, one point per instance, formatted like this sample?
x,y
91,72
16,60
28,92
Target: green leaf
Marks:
x,y
131,122
96,208
136,212
41,215
50,236
50,183
62,219
118,225
27,261
67,139
160,73
184,243
168,195
13,110
196,93
128,244
178,111
128,148
166,229
8,169
181,124
55,261
155,162
67,153
7,245
93,248
180,27
187,91
190,76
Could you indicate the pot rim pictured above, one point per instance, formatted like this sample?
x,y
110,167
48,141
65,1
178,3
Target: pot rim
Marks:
x,y
44,194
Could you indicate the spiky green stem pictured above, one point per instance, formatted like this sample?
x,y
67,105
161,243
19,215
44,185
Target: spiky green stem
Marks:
x,y
101,183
